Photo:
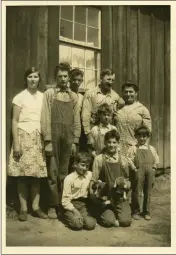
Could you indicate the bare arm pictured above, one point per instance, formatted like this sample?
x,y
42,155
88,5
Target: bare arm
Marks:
x,y
15,120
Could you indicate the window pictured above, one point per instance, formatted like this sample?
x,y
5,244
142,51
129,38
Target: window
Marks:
x,y
80,41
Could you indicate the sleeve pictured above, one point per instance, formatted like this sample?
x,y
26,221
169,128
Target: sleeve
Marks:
x,y
155,155
130,157
92,136
96,168
86,112
46,116
77,120
18,100
120,101
67,195
146,118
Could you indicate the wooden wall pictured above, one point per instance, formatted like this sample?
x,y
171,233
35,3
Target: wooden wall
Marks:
x,y
135,43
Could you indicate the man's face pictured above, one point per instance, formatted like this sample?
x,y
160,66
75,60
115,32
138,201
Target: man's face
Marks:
x,y
62,79
75,82
106,82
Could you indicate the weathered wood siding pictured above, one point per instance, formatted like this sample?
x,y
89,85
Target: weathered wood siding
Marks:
x,y
135,43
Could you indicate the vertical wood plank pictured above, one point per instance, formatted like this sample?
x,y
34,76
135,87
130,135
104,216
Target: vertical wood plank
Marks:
x,y
34,12
42,45
132,44
119,45
167,151
144,56
157,85
53,41
106,36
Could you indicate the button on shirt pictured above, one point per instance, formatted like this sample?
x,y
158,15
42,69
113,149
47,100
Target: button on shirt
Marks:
x,y
132,153
30,104
75,186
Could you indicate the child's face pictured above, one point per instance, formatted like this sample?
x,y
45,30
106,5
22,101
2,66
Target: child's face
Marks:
x,y
142,138
82,167
105,118
111,145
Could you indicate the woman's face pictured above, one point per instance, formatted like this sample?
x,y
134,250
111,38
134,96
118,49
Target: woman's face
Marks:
x,y
129,95
33,80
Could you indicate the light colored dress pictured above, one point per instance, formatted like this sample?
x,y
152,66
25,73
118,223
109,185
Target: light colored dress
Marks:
x,y
32,162
127,119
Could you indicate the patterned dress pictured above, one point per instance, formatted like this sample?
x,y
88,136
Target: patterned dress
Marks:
x,y
127,119
32,162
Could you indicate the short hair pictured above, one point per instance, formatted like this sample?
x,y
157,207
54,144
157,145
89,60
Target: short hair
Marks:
x,y
103,109
28,72
76,72
129,84
142,130
112,134
106,72
64,66
83,157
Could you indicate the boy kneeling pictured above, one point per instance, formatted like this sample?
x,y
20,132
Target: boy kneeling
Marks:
x,y
107,167
75,192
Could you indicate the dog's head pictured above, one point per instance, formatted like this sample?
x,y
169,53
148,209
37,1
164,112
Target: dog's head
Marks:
x,y
100,189
120,189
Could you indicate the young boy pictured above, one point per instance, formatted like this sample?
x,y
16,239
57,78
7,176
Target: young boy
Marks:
x,y
143,161
75,191
107,167
97,133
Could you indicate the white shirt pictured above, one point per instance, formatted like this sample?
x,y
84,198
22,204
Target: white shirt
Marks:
x,y
30,104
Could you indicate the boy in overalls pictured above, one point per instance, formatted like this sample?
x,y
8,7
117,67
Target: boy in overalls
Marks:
x,y
60,124
143,161
107,167
104,118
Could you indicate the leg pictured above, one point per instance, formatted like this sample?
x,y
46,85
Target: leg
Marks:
x,y
22,188
123,211
107,218
73,221
64,157
35,194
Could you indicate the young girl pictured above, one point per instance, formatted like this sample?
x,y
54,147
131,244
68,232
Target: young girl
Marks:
x,y
143,161
97,133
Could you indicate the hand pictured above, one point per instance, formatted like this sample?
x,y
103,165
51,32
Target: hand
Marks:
x,y
76,212
73,149
89,139
135,170
107,202
16,152
49,149
94,154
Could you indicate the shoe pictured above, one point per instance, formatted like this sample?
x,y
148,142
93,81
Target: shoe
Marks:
x,y
136,216
22,216
38,213
52,213
147,217
116,223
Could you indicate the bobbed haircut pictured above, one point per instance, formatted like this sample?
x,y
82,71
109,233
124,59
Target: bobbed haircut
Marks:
x,y
129,84
64,66
106,71
112,134
76,72
28,72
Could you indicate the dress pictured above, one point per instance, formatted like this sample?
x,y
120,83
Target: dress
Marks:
x,y
127,119
32,162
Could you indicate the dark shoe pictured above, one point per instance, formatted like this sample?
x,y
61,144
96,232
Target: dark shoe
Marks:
x,y
22,216
38,213
147,217
136,216
59,211
52,213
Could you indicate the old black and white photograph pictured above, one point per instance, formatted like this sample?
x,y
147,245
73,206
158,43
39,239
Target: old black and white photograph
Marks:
x,y
87,97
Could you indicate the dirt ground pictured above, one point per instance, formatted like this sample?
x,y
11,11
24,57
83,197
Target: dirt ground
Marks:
x,y
156,233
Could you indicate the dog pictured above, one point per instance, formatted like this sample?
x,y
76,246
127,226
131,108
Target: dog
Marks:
x,y
119,191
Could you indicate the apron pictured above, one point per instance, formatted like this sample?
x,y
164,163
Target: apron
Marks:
x,y
144,179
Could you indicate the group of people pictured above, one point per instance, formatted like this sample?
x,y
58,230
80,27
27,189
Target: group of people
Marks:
x,y
78,140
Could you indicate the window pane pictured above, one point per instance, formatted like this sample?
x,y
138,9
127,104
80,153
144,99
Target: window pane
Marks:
x,y
66,29
92,37
98,76
90,79
80,14
98,62
65,54
78,57
80,33
93,17
90,59
67,12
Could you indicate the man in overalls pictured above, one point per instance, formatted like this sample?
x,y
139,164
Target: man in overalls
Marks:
x,y
60,124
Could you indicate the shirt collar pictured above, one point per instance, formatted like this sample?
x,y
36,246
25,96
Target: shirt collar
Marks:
x,y
77,176
108,126
115,156
100,92
144,145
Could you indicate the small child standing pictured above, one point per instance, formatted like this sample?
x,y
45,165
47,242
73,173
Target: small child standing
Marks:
x,y
143,161
97,133
75,194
